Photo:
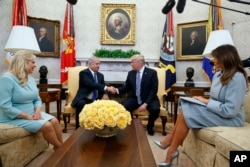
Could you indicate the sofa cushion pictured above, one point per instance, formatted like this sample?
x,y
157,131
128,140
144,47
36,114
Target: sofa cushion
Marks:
x,y
221,161
233,138
20,152
11,133
247,106
209,134
201,153
247,117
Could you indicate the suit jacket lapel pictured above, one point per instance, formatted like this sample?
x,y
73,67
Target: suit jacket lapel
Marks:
x,y
144,75
134,77
90,74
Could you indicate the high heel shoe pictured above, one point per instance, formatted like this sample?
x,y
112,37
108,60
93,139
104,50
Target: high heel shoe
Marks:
x,y
159,145
168,164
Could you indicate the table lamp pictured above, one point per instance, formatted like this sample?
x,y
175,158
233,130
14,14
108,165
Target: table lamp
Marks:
x,y
217,38
22,38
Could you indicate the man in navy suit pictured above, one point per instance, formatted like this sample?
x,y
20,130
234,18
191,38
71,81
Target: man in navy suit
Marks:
x,y
90,89
147,97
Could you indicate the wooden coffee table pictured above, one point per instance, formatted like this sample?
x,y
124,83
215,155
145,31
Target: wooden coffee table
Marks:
x,y
129,148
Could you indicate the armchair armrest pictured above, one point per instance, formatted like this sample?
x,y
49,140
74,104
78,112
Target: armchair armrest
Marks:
x,y
66,97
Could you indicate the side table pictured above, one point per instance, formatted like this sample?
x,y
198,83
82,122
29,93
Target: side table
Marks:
x,y
177,91
50,93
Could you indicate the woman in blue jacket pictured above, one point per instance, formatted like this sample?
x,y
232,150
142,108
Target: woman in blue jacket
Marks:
x,y
223,108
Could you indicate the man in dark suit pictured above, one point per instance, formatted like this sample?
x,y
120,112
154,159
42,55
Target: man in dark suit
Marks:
x,y
91,87
146,98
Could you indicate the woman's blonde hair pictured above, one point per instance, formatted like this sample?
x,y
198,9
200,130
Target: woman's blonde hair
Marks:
x,y
19,63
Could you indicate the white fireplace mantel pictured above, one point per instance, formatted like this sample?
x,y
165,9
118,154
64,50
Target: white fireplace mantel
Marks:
x,y
115,70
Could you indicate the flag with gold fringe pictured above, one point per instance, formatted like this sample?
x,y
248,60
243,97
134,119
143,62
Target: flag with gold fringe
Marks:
x,y
167,56
214,23
68,39
19,17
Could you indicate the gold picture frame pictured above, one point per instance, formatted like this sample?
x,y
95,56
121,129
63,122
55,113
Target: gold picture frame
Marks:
x,y
111,16
50,44
188,49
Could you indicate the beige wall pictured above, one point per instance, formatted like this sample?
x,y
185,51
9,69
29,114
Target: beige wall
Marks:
x,y
149,26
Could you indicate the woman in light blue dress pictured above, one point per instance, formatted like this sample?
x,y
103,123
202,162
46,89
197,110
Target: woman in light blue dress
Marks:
x,y
223,108
20,103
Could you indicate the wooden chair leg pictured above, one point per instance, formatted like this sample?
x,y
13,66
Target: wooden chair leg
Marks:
x,y
68,116
65,116
164,121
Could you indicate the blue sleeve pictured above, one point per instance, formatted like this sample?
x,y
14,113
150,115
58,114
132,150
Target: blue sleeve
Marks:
x,y
233,98
37,101
6,89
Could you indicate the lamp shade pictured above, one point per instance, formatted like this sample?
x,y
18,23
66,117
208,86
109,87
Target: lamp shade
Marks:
x,y
22,38
217,38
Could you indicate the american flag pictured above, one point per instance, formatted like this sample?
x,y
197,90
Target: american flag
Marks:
x,y
167,56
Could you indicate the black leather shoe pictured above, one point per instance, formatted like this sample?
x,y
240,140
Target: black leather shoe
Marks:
x,y
151,132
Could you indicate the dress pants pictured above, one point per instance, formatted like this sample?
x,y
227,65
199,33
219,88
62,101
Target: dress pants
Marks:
x,y
79,107
153,108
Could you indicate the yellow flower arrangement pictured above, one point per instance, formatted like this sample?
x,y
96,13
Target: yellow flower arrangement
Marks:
x,y
103,113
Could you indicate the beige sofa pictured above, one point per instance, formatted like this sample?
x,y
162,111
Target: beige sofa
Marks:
x,y
18,146
210,147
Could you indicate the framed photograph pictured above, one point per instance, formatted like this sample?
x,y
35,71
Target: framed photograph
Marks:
x,y
47,33
192,38
118,24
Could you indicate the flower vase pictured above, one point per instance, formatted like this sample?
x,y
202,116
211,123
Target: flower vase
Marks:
x,y
105,132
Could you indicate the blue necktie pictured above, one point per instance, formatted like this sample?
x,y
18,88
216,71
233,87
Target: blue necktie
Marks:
x,y
95,91
138,87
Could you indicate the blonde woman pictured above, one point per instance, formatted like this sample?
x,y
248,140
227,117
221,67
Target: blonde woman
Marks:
x,y
20,103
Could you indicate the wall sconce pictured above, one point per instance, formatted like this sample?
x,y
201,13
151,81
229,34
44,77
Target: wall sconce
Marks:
x,y
22,38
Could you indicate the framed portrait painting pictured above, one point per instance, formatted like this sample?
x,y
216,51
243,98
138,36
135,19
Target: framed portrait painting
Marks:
x,y
47,34
118,24
192,38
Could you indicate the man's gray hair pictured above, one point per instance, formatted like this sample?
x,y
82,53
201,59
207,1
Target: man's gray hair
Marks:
x,y
118,18
138,58
92,59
